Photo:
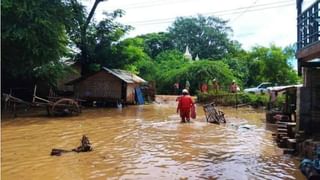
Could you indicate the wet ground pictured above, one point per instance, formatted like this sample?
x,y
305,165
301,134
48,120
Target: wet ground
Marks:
x,y
144,142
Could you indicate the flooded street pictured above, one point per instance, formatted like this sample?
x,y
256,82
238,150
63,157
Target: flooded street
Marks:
x,y
144,142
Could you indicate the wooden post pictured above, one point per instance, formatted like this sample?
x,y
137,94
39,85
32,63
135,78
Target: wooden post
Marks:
x,y
236,100
48,111
14,110
34,93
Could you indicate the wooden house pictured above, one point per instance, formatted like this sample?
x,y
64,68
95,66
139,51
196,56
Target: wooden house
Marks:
x,y
308,56
107,85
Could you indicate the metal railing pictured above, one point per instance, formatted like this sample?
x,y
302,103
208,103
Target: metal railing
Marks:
x,y
309,26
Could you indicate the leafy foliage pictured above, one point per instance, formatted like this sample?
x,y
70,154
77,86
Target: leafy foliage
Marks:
x,y
231,99
127,52
270,65
207,37
96,39
37,34
173,67
156,43
33,36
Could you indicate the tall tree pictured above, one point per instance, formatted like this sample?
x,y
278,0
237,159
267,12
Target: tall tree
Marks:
x,y
207,37
95,39
33,39
171,67
104,40
156,43
126,53
83,26
270,64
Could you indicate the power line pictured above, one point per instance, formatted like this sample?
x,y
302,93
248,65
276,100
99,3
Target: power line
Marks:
x,y
152,4
165,2
217,13
222,12
244,11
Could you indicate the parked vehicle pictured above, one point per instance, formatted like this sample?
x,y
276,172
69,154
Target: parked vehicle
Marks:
x,y
280,88
261,88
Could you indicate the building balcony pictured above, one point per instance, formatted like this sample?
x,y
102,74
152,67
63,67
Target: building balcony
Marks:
x,y
308,43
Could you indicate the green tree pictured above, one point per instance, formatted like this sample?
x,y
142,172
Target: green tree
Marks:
x,y
171,59
127,53
204,71
166,64
95,39
156,43
172,67
238,63
207,37
103,42
239,68
271,65
83,23
33,39
146,69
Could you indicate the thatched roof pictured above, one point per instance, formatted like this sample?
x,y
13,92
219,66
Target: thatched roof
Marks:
x,y
121,74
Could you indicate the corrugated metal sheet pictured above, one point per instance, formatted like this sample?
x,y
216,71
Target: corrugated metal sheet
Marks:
x,y
121,74
125,75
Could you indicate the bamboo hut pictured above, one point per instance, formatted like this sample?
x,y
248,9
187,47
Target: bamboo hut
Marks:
x,y
107,85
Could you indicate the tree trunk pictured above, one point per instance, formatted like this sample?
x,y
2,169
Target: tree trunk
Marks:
x,y
84,59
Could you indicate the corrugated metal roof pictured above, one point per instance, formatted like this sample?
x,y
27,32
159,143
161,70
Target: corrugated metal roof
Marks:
x,y
125,75
121,74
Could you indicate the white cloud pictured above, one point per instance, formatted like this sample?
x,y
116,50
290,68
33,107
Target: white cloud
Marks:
x,y
254,25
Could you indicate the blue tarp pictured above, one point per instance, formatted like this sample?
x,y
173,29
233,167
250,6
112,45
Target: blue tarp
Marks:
x,y
307,165
139,96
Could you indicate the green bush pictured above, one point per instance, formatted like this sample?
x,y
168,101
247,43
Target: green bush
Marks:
x,y
279,101
226,98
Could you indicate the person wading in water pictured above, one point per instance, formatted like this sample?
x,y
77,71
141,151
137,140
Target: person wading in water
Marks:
x,y
184,106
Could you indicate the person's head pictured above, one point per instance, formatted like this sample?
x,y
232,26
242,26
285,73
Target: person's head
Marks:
x,y
214,80
185,92
233,81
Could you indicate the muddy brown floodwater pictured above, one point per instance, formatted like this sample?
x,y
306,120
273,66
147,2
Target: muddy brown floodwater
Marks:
x,y
144,142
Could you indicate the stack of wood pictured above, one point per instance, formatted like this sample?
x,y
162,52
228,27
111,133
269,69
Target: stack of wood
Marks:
x,y
270,116
213,115
285,136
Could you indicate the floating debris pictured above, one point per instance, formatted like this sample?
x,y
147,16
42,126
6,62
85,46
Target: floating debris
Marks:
x,y
84,147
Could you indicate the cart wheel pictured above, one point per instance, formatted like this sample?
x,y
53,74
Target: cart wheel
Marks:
x,y
65,106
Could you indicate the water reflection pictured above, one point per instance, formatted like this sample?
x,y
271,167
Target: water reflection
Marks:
x,y
144,142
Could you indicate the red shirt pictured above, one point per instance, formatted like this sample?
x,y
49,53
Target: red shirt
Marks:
x,y
204,88
185,103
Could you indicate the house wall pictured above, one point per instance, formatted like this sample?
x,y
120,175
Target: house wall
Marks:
x,y
131,93
100,86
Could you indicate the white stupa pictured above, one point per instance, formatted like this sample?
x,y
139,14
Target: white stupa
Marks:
x,y
187,54
197,58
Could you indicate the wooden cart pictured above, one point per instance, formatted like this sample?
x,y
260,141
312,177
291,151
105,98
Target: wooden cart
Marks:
x,y
54,105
